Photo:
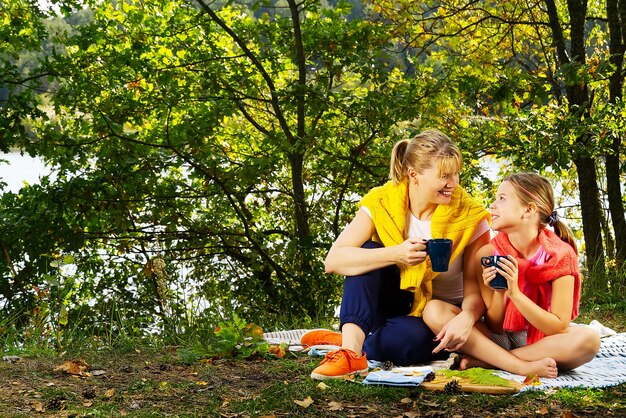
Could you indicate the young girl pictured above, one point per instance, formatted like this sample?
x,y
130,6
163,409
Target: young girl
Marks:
x,y
530,319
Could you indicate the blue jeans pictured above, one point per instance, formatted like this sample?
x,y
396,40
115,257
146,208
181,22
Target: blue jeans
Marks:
x,y
375,302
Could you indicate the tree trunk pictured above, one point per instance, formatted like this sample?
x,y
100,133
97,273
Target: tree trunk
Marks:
x,y
616,83
296,155
591,213
579,104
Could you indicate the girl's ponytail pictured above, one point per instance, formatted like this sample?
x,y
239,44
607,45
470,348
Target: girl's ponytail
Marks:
x,y
563,232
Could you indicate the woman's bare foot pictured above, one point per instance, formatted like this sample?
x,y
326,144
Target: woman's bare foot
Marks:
x,y
543,368
467,362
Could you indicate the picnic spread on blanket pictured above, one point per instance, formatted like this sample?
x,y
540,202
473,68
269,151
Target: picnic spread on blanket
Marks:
x,y
608,368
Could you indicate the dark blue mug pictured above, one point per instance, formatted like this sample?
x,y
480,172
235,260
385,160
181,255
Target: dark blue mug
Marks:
x,y
439,250
498,282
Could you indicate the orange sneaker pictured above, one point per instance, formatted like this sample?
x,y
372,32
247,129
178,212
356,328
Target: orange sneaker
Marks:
x,y
321,337
340,363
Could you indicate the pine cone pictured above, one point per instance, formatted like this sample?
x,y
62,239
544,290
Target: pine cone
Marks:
x,y
89,393
452,387
57,404
387,365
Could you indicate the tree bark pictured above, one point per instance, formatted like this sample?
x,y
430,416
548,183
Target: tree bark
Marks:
x,y
579,104
296,154
590,208
612,159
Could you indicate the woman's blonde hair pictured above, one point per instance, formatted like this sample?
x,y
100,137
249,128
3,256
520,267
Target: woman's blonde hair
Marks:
x,y
421,152
533,188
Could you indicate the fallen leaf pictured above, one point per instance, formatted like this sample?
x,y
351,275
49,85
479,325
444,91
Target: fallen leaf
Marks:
x,y
109,393
73,367
334,406
38,406
410,414
98,372
268,416
87,404
532,379
305,403
322,386
277,350
414,373
542,411
567,414
406,400
201,383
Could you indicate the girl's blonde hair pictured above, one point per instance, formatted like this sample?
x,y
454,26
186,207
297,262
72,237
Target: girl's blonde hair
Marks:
x,y
533,188
420,152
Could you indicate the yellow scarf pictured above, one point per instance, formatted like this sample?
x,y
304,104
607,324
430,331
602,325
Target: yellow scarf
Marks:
x,y
389,206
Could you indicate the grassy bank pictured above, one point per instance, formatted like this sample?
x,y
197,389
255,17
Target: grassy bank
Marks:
x,y
138,380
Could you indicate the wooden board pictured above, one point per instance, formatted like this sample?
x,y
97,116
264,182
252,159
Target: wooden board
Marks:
x,y
440,381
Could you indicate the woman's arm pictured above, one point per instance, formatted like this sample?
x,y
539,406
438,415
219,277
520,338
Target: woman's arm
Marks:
x,y
346,257
456,332
473,303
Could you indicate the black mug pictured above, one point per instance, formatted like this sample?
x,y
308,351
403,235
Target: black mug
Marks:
x,y
498,282
439,250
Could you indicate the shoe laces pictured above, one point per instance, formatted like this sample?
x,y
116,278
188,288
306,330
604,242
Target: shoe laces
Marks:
x,y
337,355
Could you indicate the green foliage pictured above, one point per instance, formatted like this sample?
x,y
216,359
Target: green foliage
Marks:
x,y
478,375
206,155
240,339
230,147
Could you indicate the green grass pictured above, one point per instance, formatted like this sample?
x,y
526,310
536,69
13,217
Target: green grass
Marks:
x,y
153,379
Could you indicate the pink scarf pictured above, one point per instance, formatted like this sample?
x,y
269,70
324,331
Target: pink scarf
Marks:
x,y
535,281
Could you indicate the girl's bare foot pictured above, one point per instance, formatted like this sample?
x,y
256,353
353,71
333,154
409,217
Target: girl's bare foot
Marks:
x,y
543,368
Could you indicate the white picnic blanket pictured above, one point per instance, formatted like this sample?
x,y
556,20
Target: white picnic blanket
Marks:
x,y
608,368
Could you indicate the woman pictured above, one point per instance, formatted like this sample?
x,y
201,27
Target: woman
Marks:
x,y
531,315
389,277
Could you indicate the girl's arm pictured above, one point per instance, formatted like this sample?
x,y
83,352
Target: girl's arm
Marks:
x,y
556,320
551,322
495,301
346,257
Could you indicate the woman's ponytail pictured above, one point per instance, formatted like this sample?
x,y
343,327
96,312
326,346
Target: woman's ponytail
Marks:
x,y
397,170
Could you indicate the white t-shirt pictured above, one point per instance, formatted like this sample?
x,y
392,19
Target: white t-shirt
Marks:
x,y
447,286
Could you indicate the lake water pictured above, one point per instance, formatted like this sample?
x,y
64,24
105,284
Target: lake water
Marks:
x,y
19,169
